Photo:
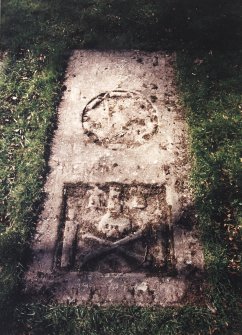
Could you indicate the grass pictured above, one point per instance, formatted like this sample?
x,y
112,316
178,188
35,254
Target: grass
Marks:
x,y
129,321
39,36
211,94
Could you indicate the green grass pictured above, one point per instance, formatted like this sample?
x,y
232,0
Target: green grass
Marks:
x,y
39,36
128,321
211,93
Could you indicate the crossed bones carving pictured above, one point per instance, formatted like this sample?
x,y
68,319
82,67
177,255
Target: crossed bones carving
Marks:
x,y
108,247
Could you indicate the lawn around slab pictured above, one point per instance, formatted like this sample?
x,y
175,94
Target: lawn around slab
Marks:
x,y
38,37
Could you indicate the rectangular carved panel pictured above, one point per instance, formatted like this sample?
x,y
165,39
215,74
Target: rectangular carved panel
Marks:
x,y
114,227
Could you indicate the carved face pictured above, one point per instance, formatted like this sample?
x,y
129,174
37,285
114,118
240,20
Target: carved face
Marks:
x,y
114,223
118,210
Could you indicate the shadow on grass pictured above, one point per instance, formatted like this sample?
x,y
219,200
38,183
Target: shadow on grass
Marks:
x,y
122,24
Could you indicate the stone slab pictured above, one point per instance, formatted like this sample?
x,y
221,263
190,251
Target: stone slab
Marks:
x,y
118,225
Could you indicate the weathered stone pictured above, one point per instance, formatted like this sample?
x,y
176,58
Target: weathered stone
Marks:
x,y
110,231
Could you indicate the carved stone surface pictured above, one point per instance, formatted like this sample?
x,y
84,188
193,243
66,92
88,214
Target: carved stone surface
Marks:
x,y
115,228
118,225
119,119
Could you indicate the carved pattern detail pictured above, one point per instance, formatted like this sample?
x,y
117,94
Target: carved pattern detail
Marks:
x,y
115,227
119,119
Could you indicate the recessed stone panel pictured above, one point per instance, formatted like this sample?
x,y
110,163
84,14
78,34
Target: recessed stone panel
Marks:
x,y
115,227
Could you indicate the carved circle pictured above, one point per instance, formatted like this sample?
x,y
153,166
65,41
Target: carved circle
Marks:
x,y
119,119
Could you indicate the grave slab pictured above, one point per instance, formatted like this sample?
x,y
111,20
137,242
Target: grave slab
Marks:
x,y
118,224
